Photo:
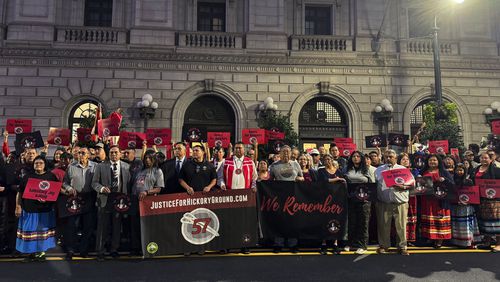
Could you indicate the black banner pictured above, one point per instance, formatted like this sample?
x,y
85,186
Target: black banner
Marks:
x,y
180,223
122,203
423,186
315,210
362,192
74,205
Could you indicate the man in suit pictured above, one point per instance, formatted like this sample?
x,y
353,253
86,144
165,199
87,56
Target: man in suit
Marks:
x,y
172,168
110,176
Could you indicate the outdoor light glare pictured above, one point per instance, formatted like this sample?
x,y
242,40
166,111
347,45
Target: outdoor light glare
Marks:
x,y
459,1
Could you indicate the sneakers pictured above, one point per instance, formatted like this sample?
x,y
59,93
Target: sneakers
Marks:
x,y
347,248
360,251
40,256
403,252
381,251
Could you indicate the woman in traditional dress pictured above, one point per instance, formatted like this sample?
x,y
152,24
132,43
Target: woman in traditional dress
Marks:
x,y
411,225
36,228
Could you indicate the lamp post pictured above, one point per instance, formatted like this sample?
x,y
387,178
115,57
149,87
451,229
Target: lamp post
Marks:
x,y
382,114
268,107
493,112
147,109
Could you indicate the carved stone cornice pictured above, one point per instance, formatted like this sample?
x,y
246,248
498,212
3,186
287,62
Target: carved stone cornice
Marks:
x,y
361,64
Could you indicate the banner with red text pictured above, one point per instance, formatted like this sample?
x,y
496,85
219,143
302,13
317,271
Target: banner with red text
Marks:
x,y
17,126
400,176
131,140
346,149
438,147
180,223
316,210
39,189
252,135
489,188
59,136
159,136
219,139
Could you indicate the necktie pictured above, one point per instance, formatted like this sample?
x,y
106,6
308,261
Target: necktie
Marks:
x,y
178,166
114,184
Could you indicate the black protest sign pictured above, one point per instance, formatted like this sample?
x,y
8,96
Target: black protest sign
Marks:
x,y
28,140
362,192
74,205
122,203
423,186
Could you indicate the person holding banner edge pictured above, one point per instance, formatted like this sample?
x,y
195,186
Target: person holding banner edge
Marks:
x,y
198,175
392,204
37,221
489,220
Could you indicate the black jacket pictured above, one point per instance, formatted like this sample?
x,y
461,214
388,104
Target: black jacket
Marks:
x,y
492,172
171,177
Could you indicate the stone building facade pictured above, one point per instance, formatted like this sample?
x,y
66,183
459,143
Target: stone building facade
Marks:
x,y
319,60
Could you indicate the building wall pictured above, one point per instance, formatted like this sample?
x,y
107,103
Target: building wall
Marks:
x,y
42,77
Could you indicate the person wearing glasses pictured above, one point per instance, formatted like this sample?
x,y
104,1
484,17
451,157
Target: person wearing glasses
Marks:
x,y
78,182
110,176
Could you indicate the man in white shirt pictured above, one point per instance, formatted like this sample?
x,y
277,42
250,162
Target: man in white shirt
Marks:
x,y
238,172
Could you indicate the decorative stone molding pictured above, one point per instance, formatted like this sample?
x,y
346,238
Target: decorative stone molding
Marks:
x,y
337,94
197,90
464,117
209,85
323,86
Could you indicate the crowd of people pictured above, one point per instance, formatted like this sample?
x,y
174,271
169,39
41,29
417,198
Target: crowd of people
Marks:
x,y
397,218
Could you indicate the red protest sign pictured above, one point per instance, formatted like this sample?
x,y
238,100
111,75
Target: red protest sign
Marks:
x,y
250,135
438,147
346,149
108,127
341,140
275,135
159,136
131,140
84,134
59,136
219,139
467,195
489,188
17,126
400,176
39,189
495,127
454,152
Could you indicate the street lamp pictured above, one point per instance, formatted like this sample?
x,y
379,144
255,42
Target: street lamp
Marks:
x,y
268,107
437,61
493,112
147,109
382,114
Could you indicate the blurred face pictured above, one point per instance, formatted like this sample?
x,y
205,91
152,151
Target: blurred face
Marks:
x,y
63,164
197,154
334,151
433,162
30,155
449,163
493,155
251,153
75,151
285,154
390,158
375,159
84,155
302,161
368,161
129,154
356,158
315,158
39,166
295,154
322,150
114,154
405,161
239,151
100,153
460,171
329,162
220,154
179,151
470,157
262,166
148,161
57,155
276,158
485,159
91,153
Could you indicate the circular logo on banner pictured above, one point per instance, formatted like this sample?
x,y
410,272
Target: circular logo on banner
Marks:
x,y
246,238
121,203
347,153
18,130
278,145
158,140
491,193
440,150
57,140
464,199
399,180
218,143
376,141
131,144
106,132
252,140
87,137
362,193
420,188
152,248
200,226
28,142
44,185
74,204
440,192
333,226
194,134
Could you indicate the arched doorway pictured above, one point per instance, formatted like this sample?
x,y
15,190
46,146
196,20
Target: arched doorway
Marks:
x,y
208,113
80,114
321,119
417,115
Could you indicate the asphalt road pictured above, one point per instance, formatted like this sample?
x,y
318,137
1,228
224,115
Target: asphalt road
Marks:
x,y
445,265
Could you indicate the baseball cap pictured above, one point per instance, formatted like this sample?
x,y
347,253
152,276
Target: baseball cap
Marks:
x,y
314,152
468,153
99,145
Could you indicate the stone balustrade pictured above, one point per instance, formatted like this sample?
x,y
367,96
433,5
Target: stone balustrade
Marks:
x,y
91,35
325,43
424,47
213,40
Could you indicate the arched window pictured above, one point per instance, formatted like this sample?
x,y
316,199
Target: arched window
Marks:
x,y
320,120
79,114
417,116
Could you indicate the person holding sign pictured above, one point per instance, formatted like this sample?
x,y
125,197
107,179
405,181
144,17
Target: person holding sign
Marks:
x,y
435,212
392,204
489,209
78,181
359,212
36,228
411,225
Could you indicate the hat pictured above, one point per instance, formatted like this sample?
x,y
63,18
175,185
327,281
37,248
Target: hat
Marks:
x,y
314,152
466,153
99,145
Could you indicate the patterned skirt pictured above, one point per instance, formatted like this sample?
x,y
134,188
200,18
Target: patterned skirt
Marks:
x,y
36,232
411,225
489,216
435,218
464,226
